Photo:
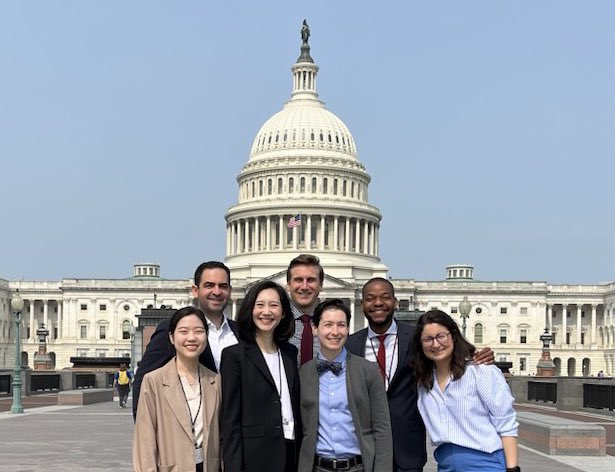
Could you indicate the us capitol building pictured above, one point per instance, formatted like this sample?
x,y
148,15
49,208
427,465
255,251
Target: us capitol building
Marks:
x,y
304,190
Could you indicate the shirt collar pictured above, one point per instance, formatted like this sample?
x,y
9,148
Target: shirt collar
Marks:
x,y
340,358
392,330
223,327
297,313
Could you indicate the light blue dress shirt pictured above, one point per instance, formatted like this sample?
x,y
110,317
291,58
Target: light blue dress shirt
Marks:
x,y
473,411
337,437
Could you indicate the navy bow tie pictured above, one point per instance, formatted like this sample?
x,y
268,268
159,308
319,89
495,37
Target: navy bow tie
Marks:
x,y
323,365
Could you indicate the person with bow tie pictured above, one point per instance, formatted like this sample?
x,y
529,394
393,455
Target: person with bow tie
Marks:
x,y
344,407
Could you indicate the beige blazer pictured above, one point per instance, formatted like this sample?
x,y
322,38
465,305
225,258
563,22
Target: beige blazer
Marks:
x,y
163,438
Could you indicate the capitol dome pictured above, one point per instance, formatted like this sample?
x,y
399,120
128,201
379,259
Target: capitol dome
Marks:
x,y
303,190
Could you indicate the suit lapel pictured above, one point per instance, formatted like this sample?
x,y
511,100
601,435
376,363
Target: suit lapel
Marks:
x,y
207,359
209,401
174,395
403,338
256,357
288,362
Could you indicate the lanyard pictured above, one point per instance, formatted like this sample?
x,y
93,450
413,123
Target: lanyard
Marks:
x,y
387,375
193,419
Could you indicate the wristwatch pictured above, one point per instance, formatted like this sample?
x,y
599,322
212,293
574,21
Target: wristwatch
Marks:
x,y
513,469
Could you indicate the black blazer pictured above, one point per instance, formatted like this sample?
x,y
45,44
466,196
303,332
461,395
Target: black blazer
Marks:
x,y
251,418
409,450
159,351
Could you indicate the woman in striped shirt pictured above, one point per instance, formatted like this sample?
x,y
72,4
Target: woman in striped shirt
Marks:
x,y
467,408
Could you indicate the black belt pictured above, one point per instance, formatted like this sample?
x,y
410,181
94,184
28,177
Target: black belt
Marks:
x,y
337,464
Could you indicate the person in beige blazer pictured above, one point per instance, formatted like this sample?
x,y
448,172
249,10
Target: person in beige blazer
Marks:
x,y
177,424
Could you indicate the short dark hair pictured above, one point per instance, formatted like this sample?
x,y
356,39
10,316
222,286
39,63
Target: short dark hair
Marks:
x,y
182,313
308,260
245,321
330,304
207,266
462,349
378,279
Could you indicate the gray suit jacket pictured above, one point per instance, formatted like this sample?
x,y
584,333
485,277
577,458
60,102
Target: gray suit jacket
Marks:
x,y
369,407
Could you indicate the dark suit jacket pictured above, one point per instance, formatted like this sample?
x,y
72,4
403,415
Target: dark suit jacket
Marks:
x,y
368,405
408,429
251,417
159,351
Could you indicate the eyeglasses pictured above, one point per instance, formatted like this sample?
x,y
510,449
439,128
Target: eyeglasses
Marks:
x,y
442,339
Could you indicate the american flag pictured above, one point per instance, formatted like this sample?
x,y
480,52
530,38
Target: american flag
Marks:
x,y
294,221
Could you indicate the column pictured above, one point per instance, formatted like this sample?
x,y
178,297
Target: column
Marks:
x,y
322,233
46,314
295,237
550,318
563,337
357,235
578,337
32,330
60,334
228,238
335,232
377,240
257,235
347,235
234,311
365,237
268,237
246,236
593,325
308,233
281,232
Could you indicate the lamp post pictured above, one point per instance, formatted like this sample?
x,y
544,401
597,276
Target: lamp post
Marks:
x,y
17,307
464,310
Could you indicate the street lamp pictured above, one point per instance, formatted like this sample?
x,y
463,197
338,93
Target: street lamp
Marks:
x,y
17,307
464,310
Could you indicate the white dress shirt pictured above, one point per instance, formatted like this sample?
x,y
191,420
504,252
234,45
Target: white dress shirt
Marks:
x,y
391,345
219,338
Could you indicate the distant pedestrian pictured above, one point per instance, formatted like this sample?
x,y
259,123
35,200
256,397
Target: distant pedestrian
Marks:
x,y
122,380
601,374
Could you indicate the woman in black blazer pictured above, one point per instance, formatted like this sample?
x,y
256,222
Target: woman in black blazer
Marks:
x,y
260,417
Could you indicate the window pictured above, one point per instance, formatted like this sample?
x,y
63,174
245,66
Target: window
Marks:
x,y
126,330
82,352
553,340
503,311
291,185
582,338
83,331
102,332
314,186
479,310
27,332
302,185
279,186
84,307
503,335
55,332
524,310
404,305
453,310
567,338
42,310
324,185
102,307
523,364
478,333
523,336
269,187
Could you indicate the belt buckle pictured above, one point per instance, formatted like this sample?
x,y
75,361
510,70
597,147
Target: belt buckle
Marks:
x,y
339,467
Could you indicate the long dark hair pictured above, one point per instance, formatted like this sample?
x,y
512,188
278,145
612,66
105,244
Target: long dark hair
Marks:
x,y
245,322
462,349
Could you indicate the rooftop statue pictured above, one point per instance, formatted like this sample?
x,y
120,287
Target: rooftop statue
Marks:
x,y
305,32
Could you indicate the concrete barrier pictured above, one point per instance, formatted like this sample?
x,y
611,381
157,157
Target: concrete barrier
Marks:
x,y
85,397
560,436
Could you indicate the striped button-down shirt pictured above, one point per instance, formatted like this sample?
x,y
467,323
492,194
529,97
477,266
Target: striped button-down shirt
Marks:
x,y
473,411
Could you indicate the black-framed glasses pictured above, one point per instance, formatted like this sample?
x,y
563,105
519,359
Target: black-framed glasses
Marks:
x,y
442,339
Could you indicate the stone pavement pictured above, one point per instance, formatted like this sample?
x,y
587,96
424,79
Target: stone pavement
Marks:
x,y
99,437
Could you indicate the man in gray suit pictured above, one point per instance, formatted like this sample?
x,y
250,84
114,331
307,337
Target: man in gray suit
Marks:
x,y
344,408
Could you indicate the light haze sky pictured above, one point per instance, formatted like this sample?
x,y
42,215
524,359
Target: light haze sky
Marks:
x,y
488,129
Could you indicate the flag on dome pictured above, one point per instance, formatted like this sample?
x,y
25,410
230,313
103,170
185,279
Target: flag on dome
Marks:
x,y
294,221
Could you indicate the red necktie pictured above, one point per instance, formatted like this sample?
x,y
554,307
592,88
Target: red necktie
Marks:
x,y
307,339
382,357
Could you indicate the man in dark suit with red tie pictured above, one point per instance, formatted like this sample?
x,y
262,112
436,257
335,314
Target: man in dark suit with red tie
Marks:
x,y
387,342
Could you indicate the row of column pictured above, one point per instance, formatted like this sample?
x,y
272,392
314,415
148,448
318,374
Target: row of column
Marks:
x,y
578,309
316,232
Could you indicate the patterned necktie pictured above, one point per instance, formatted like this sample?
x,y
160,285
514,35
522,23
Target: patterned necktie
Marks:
x,y
382,357
307,340
323,365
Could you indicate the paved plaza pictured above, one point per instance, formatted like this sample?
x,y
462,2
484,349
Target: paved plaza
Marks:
x,y
99,437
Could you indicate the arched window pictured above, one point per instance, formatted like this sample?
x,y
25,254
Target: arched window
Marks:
x,y
344,188
260,188
253,190
478,333
280,186
334,186
269,187
314,186
324,185
126,329
291,185
302,185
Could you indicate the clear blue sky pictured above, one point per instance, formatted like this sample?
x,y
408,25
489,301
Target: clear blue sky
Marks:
x,y
488,129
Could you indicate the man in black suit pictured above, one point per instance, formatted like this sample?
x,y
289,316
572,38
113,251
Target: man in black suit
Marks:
x,y
212,290
387,342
